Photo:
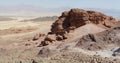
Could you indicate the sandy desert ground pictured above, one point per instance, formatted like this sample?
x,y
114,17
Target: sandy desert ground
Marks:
x,y
16,35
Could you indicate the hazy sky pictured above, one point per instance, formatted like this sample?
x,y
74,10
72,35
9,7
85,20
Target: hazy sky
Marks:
x,y
55,7
109,4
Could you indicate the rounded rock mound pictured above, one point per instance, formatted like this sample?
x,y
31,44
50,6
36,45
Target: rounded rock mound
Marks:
x,y
79,17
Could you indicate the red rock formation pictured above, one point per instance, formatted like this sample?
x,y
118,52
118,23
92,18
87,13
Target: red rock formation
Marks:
x,y
78,17
70,20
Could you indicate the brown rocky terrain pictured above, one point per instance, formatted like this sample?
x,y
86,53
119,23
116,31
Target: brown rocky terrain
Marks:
x,y
74,19
79,17
101,40
85,49
78,36
118,24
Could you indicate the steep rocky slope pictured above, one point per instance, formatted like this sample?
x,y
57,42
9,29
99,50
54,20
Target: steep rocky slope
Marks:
x,y
85,49
101,40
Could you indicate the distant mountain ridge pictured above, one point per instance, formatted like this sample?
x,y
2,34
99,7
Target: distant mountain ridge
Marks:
x,y
47,18
30,10
2,18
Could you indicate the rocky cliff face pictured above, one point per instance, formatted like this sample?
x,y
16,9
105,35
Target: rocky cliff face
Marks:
x,y
75,18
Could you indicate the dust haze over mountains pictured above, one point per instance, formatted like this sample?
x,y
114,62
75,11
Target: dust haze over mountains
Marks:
x,y
28,10
32,10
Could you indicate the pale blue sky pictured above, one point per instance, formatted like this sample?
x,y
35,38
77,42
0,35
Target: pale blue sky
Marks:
x,y
55,7
105,4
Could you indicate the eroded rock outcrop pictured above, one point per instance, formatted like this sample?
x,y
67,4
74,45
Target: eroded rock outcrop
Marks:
x,y
75,18
78,17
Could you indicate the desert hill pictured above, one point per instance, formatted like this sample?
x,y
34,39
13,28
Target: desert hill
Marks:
x,y
77,36
47,18
90,48
76,18
4,18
